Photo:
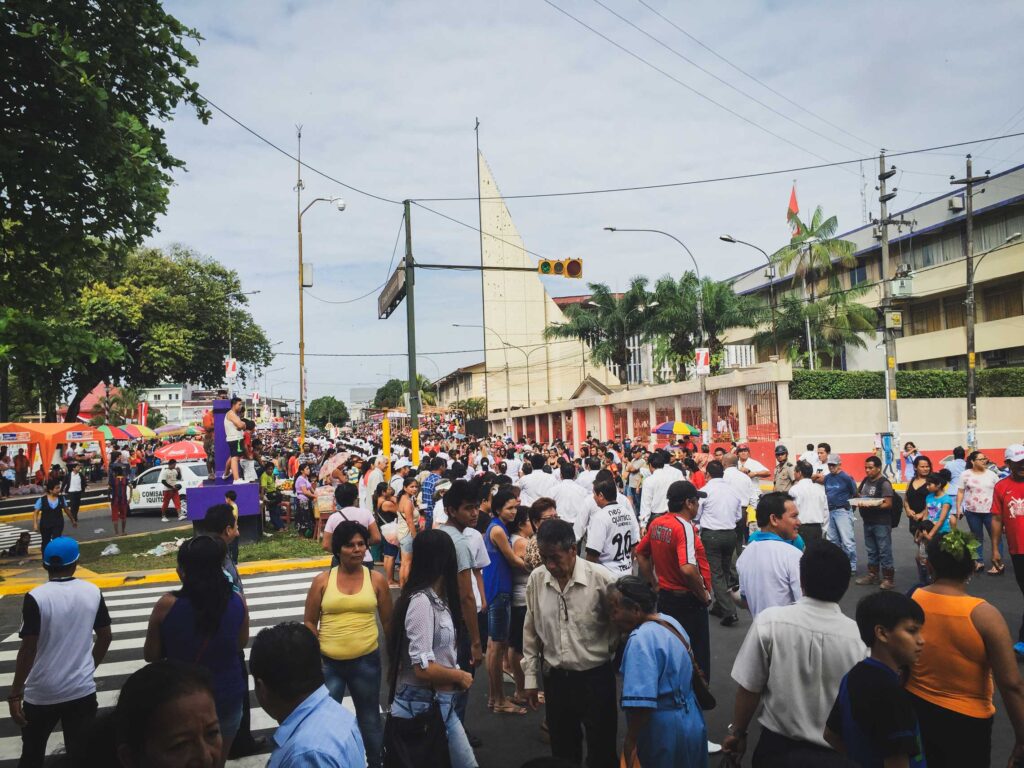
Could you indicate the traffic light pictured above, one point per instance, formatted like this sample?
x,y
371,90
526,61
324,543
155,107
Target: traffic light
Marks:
x,y
561,267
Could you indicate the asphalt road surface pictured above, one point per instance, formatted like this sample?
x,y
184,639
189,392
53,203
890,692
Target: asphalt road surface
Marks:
x,y
508,740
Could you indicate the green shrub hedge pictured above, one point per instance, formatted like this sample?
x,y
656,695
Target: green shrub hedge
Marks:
x,y
870,385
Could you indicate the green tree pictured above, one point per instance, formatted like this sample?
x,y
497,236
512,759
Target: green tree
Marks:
x,y
155,418
84,166
813,255
428,393
473,407
607,324
326,409
837,321
389,395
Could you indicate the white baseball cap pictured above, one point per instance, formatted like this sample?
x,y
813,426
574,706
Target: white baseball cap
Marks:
x,y
401,463
1014,452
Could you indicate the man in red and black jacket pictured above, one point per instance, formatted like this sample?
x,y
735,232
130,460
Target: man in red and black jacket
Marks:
x,y
1008,515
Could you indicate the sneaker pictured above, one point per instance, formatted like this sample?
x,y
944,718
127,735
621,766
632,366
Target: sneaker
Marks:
x,y
714,749
1019,649
164,520
240,482
183,516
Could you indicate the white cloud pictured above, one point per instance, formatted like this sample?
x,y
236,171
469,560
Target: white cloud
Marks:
x,y
388,92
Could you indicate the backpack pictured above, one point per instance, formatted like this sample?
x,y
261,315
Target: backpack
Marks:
x,y
897,510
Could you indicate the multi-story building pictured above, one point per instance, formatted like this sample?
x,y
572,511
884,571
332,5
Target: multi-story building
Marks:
x,y
168,398
932,251
462,384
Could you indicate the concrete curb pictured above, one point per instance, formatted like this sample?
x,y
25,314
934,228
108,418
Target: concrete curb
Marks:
x,y
17,584
20,516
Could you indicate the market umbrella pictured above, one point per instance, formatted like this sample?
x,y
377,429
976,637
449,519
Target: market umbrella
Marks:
x,y
171,430
185,450
139,431
333,463
675,428
113,433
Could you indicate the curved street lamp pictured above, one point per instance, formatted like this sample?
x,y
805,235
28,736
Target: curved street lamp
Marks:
x,y
770,274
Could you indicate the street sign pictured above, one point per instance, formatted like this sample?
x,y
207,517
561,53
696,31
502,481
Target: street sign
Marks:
x,y
702,361
230,368
393,293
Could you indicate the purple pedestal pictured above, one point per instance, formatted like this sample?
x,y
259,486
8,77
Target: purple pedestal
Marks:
x,y
212,492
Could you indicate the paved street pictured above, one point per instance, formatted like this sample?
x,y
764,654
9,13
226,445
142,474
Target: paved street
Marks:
x,y
95,524
509,740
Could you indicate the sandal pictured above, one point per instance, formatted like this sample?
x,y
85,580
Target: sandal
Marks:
x,y
519,701
996,569
979,567
509,708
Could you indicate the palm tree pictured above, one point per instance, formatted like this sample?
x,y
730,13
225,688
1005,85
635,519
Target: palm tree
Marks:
x,y
428,393
837,321
126,402
607,323
155,418
473,407
813,254
674,324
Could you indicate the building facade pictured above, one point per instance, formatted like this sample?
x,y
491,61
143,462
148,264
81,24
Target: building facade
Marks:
x,y
168,398
464,383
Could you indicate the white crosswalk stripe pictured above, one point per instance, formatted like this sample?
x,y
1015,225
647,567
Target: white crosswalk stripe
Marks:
x,y
129,610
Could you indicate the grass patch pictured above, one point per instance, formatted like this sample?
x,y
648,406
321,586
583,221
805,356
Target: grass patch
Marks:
x,y
280,546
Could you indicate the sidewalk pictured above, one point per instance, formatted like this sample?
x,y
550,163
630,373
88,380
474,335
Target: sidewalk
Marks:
x,y
29,573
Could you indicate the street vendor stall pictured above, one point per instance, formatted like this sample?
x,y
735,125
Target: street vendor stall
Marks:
x,y
45,438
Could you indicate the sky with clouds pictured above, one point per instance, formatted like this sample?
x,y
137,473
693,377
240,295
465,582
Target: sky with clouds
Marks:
x,y
388,93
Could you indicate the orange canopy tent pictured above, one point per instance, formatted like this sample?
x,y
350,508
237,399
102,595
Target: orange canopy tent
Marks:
x,y
46,437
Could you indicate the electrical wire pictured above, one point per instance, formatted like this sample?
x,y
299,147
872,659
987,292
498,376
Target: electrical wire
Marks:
x,y
372,291
724,82
752,77
688,87
713,179
289,155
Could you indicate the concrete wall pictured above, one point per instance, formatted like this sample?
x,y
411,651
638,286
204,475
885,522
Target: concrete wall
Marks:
x,y
933,425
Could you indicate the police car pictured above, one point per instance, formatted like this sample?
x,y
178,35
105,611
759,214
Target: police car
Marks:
x,y
148,493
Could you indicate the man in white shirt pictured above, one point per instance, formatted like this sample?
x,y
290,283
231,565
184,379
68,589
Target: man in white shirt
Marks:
x,y
718,515
739,481
794,659
612,531
809,454
811,502
586,478
769,567
570,498
654,499
753,469
538,483
819,464
402,468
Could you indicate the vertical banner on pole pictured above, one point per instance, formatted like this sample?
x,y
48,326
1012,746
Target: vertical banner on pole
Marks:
x,y
385,427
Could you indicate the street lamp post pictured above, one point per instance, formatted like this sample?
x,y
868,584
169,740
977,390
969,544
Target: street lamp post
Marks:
x,y
704,436
340,205
770,274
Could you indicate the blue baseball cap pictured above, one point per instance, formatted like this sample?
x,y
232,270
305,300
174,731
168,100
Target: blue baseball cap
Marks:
x,y
61,552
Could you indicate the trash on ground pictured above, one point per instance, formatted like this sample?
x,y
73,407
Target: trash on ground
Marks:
x,y
110,549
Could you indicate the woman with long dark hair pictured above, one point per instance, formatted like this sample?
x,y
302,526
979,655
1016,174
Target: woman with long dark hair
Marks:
x,y
423,648
408,524
385,509
205,623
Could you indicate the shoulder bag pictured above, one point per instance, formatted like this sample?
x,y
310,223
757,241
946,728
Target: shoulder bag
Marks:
x,y
699,683
415,742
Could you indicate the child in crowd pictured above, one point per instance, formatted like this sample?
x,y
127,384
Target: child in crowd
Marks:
x,y
939,504
873,721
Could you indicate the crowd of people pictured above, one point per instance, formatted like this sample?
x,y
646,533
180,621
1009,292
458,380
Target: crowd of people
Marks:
x,y
588,580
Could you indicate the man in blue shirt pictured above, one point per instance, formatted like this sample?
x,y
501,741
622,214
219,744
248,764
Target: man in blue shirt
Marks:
x,y
437,467
315,731
839,489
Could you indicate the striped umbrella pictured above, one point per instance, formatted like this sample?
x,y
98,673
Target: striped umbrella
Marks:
x,y
113,433
675,428
139,430
171,430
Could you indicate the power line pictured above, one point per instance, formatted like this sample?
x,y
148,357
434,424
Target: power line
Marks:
x,y
710,180
688,87
724,82
372,291
752,77
289,155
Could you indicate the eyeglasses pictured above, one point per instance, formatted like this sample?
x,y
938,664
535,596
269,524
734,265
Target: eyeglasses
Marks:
x,y
565,606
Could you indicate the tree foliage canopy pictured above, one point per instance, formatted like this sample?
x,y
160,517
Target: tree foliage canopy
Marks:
x,y
390,394
326,409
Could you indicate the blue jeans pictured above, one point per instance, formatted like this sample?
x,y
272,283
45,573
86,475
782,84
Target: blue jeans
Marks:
x,y
979,522
878,541
840,531
360,678
411,700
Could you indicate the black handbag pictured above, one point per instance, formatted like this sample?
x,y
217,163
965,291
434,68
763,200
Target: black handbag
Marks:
x,y
415,742
701,690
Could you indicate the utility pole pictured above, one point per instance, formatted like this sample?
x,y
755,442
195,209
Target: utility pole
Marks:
x,y
302,337
410,309
891,406
972,393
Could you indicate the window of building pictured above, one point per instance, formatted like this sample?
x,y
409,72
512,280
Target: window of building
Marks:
x,y
926,317
1003,358
156,396
858,275
1002,301
953,307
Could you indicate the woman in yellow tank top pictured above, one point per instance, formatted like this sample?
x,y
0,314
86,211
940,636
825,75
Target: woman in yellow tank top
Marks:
x,y
341,610
966,643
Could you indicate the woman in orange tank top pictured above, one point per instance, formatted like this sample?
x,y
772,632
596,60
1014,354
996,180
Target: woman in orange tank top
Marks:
x,y
967,643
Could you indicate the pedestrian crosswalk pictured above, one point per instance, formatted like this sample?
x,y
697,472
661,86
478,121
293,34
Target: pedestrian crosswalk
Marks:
x,y
10,533
271,598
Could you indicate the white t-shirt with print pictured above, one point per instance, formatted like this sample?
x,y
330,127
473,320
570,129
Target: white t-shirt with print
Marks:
x,y
613,532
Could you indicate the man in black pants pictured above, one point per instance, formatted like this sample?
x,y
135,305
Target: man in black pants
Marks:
x,y
567,625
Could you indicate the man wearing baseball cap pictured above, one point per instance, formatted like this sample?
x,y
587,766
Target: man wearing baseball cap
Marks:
x,y
1008,515
53,675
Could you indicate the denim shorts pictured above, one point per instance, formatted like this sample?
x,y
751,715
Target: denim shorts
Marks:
x,y
387,549
499,617
405,543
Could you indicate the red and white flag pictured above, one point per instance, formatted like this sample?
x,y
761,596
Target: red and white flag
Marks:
x,y
792,212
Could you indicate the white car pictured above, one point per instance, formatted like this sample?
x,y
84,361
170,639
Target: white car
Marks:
x,y
148,493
